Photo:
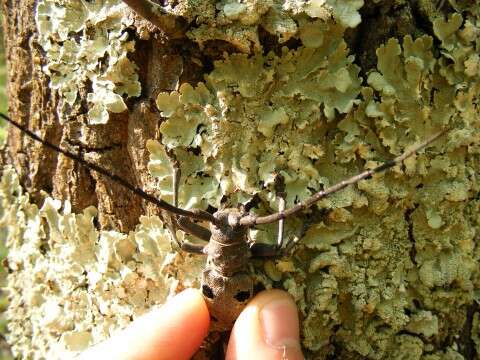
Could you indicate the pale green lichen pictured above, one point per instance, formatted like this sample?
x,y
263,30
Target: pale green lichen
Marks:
x,y
423,323
73,285
357,270
387,272
345,11
236,22
86,45
281,101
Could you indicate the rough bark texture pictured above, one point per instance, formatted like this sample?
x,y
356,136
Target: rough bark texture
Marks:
x,y
118,146
390,271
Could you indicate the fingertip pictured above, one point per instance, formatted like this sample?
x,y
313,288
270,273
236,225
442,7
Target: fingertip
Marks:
x,y
172,331
190,300
184,323
189,305
268,328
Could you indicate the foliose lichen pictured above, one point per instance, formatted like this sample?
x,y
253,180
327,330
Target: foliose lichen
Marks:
x,y
236,22
87,47
379,264
73,285
254,116
382,269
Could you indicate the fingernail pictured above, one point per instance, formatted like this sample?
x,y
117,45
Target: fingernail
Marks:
x,y
279,321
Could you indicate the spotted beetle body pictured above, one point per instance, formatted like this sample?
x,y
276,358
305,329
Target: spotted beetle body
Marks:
x,y
226,284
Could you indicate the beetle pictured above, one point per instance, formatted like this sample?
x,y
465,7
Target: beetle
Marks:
x,y
226,283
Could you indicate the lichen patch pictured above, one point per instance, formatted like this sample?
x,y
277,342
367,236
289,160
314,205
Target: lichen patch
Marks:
x,y
87,47
72,286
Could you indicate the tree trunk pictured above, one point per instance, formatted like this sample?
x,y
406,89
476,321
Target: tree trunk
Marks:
x,y
314,91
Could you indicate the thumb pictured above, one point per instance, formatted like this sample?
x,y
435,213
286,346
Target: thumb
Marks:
x,y
266,329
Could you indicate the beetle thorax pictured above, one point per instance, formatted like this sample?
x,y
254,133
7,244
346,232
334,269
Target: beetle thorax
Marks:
x,y
228,250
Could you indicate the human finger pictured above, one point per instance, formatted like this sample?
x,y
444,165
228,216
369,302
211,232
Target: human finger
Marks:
x,y
267,328
173,331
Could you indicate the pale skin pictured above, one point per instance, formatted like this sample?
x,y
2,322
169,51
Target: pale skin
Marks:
x,y
268,328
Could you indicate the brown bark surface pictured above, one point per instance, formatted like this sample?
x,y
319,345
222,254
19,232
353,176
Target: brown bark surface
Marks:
x,y
118,146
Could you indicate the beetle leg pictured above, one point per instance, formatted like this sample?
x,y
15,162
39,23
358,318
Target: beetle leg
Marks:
x,y
280,189
294,241
172,224
281,223
290,244
269,250
193,248
262,250
194,229
183,222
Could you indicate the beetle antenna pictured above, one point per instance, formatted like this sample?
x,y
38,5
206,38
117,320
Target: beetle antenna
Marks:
x,y
173,26
251,220
195,214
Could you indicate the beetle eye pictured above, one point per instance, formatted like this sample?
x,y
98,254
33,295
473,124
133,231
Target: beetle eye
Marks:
x,y
242,296
206,291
